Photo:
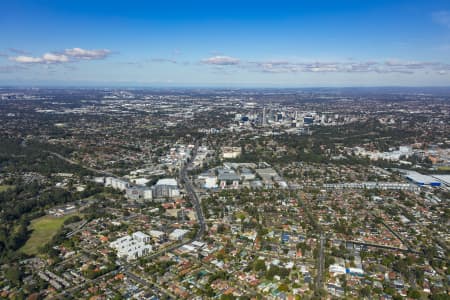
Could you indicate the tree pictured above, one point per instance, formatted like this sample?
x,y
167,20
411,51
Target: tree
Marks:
x,y
13,274
364,292
283,287
413,293
443,296
227,297
72,219
259,265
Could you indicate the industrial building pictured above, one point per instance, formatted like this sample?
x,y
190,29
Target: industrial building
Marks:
x,y
268,176
228,177
116,183
421,179
444,179
209,180
308,120
166,188
231,152
371,185
247,174
139,194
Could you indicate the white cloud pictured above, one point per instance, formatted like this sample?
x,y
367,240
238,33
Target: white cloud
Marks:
x,y
47,58
55,58
347,66
221,60
442,17
410,64
80,53
69,55
26,59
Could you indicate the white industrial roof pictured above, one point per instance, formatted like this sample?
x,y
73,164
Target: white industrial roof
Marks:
x,y
167,181
420,178
445,179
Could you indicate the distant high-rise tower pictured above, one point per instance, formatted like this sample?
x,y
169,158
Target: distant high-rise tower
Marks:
x,y
264,116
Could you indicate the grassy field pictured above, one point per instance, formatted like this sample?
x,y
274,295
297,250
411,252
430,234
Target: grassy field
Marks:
x,y
5,187
44,229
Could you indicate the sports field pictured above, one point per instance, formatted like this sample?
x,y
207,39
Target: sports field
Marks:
x,y
5,187
44,229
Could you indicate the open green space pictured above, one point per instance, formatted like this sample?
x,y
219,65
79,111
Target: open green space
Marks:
x,y
5,187
43,230
444,168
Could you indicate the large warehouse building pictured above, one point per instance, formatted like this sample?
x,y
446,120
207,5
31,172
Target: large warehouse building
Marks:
x,y
421,179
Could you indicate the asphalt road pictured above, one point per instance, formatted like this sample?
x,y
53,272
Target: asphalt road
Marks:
x,y
189,187
128,267
321,264
105,173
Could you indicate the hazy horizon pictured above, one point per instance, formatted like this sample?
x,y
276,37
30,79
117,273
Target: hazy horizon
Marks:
x,y
251,44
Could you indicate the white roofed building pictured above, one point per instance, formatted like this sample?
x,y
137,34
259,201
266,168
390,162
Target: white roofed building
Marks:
x,y
167,181
178,234
166,188
139,193
132,246
116,183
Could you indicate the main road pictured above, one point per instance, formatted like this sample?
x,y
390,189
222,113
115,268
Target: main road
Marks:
x,y
70,161
320,264
128,268
190,190
318,284
184,178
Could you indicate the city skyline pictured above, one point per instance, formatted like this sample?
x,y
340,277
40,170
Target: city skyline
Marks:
x,y
286,44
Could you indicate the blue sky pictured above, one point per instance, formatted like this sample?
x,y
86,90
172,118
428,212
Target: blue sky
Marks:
x,y
225,43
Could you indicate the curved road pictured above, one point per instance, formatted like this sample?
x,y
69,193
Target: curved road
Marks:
x,y
105,173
